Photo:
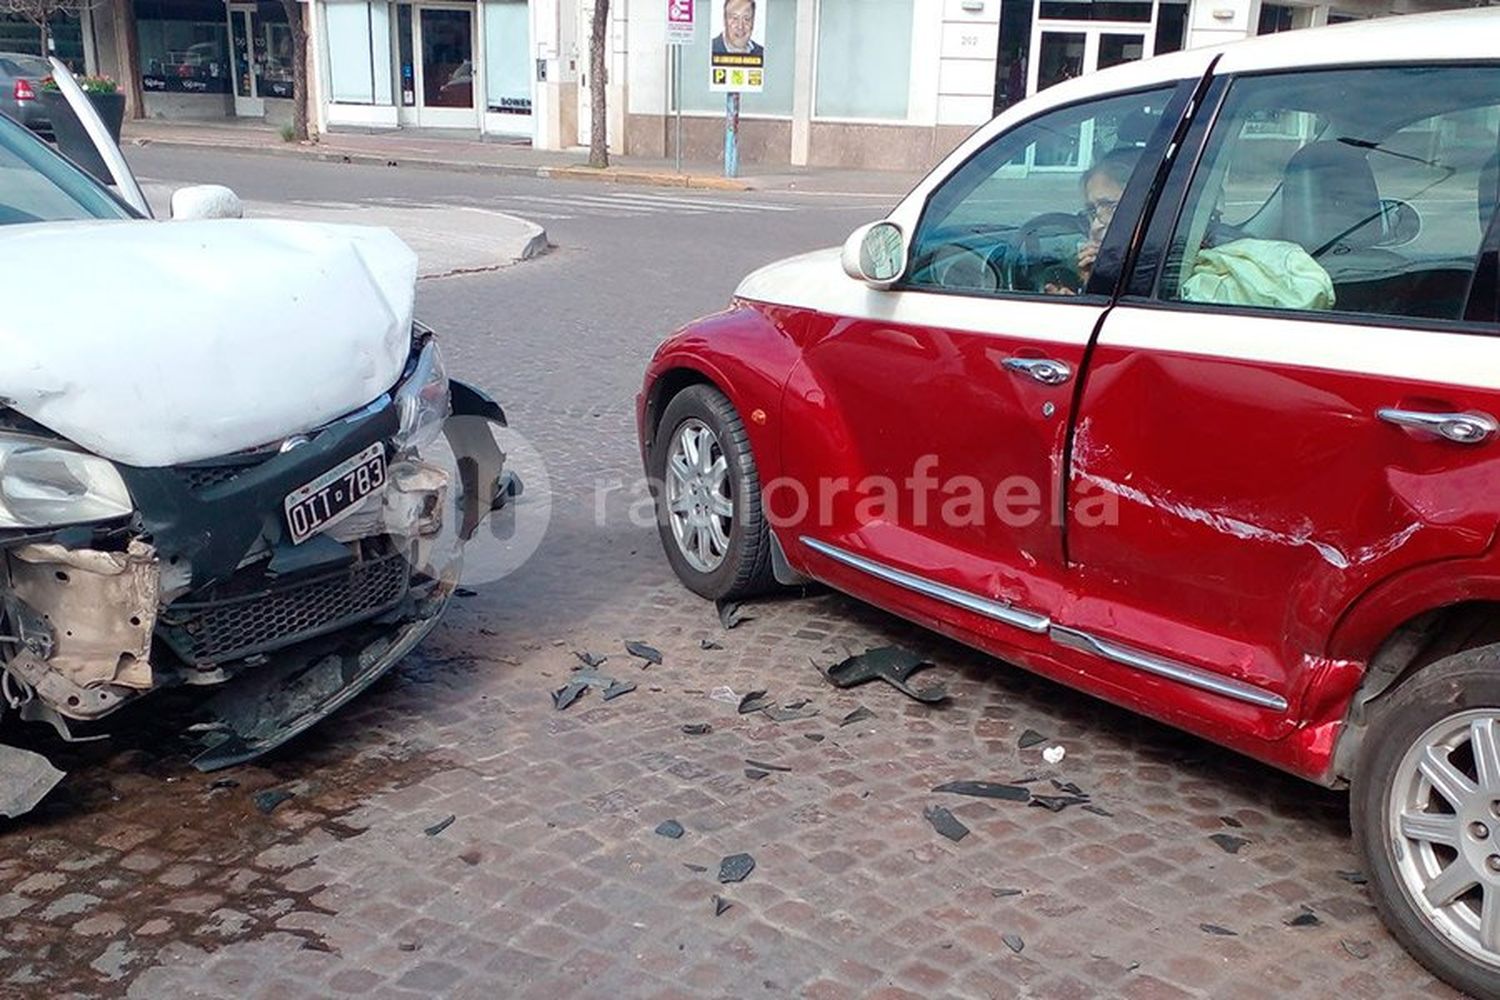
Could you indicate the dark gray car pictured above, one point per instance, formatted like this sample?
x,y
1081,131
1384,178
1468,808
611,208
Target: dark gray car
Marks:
x,y
21,78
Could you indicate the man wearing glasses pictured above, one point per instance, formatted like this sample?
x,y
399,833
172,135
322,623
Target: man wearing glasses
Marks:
x,y
739,25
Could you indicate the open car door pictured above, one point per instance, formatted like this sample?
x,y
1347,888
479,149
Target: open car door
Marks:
x,y
101,144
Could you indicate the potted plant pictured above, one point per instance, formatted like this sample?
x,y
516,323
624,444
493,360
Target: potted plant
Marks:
x,y
72,139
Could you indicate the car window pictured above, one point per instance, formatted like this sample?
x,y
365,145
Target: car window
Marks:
x,y
37,185
1026,214
1358,191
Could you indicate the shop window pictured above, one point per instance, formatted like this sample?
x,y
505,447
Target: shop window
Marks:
x,y
1086,10
864,59
359,52
184,47
507,67
19,35
1014,52
1274,19
1171,28
781,63
273,50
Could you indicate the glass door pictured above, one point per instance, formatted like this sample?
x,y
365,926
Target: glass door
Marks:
x,y
244,26
1071,49
445,67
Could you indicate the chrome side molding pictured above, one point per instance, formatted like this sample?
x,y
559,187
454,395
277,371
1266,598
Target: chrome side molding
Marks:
x,y
1036,624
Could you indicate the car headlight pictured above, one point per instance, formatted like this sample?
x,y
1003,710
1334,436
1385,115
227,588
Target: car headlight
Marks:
x,y
422,400
43,485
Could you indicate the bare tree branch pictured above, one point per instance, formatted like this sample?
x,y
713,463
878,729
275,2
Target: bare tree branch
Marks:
x,y
41,13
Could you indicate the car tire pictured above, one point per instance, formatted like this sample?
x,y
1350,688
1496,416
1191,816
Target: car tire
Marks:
x,y
1421,736
718,542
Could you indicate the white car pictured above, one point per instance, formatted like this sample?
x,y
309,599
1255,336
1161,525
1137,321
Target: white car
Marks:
x,y
224,471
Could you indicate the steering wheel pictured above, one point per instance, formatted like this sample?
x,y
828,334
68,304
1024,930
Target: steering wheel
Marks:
x,y
1043,251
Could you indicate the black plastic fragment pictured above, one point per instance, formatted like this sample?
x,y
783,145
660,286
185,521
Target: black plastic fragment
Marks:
x,y
815,737
945,823
1013,942
567,694
790,713
268,800
669,828
1098,810
860,714
986,790
694,868
735,867
617,688
721,905
755,774
1002,893
697,728
440,825
766,767
1030,738
648,653
1353,878
1357,949
730,614
464,592
1068,788
223,783
1057,803
754,701
1218,931
708,644
891,664
1306,918
1231,821
1228,842
591,660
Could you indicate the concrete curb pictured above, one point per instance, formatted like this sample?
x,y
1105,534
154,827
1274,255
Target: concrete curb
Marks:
x,y
609,175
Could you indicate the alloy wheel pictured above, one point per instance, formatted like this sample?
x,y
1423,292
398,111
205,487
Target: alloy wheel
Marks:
x,y
700,503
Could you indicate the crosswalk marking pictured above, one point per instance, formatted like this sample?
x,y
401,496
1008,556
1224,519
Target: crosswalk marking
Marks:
x,y
742,206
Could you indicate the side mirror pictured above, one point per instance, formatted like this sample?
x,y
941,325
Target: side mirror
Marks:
x,y
206,201
876,254
1400,222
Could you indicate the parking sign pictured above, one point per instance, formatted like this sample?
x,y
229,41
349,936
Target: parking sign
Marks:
x,y
680,22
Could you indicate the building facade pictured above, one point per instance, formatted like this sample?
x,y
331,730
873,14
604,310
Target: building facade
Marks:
x,y
850,83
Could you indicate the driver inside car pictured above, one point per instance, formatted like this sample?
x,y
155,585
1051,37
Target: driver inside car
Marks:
x,y
1103,185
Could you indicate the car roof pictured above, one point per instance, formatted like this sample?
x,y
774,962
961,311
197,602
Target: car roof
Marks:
x,y
1446,36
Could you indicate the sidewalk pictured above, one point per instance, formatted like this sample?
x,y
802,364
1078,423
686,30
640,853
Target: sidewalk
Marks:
x,y
455,150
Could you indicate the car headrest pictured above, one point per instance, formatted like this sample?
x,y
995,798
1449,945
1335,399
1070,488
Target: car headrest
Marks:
x,y
1489,192
1329,197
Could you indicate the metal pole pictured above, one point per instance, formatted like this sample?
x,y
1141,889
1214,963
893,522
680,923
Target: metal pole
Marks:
x,y
732,135
677,89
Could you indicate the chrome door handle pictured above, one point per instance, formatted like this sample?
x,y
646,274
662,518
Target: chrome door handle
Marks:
x,y
1462,428
1044,370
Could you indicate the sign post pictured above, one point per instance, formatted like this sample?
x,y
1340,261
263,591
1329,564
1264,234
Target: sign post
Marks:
x,y
681,27
736,65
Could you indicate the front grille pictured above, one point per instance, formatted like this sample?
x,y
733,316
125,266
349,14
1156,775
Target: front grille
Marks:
x,y
215,631
207,475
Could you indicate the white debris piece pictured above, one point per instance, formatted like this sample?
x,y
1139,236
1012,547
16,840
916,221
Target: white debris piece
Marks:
x,y
1054,755
154,344
725,694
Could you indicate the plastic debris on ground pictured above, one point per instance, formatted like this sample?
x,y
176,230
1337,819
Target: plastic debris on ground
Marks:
x,y
1003,893
724,694
735,868
440,825
25,779
1054,755
731,614
891,664
268,800
945,823
1353,878
670,829
755,773
591,660
754,701
1013,942
766,767
1218,931
1357,949
697,729
650,654
1306,918
720,905
1057,803
860,714
617,688
1228,842
709,644
1030,738
987,790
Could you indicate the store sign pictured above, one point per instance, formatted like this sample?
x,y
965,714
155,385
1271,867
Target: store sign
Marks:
x,y
681,25
737,57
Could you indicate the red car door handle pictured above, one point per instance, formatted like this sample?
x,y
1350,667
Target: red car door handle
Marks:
x,y
1044,370
1463,428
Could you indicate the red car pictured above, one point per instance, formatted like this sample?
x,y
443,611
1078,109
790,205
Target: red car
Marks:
x,y
1178,384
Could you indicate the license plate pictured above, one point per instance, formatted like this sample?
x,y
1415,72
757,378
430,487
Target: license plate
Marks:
x,y
333,495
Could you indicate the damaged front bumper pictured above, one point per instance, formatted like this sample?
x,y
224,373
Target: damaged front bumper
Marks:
x,y
205,586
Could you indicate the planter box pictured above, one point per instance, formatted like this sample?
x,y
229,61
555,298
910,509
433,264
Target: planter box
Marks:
x,y
72,140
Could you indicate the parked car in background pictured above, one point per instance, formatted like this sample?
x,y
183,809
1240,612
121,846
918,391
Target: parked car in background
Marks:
x,y
1178,383
21,77
239,488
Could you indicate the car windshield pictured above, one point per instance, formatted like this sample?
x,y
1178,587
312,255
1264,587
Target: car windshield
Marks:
x,y
37,185
16,64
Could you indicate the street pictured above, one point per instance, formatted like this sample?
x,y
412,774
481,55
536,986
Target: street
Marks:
x,y
451,833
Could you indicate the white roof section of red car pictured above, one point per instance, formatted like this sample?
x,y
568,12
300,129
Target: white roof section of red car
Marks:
x,y
1448,36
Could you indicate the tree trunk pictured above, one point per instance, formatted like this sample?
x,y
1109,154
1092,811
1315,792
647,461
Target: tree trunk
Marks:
x,y
598,59
128,48
295,11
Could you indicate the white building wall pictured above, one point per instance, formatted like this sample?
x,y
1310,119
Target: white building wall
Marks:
x,y
966,79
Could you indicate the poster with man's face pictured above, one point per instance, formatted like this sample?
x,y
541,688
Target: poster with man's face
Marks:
x,y
737,58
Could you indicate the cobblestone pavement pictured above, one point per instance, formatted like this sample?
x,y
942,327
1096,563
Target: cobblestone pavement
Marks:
x,y
141,876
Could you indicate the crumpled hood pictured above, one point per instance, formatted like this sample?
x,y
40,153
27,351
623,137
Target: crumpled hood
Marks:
x,y
159,343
